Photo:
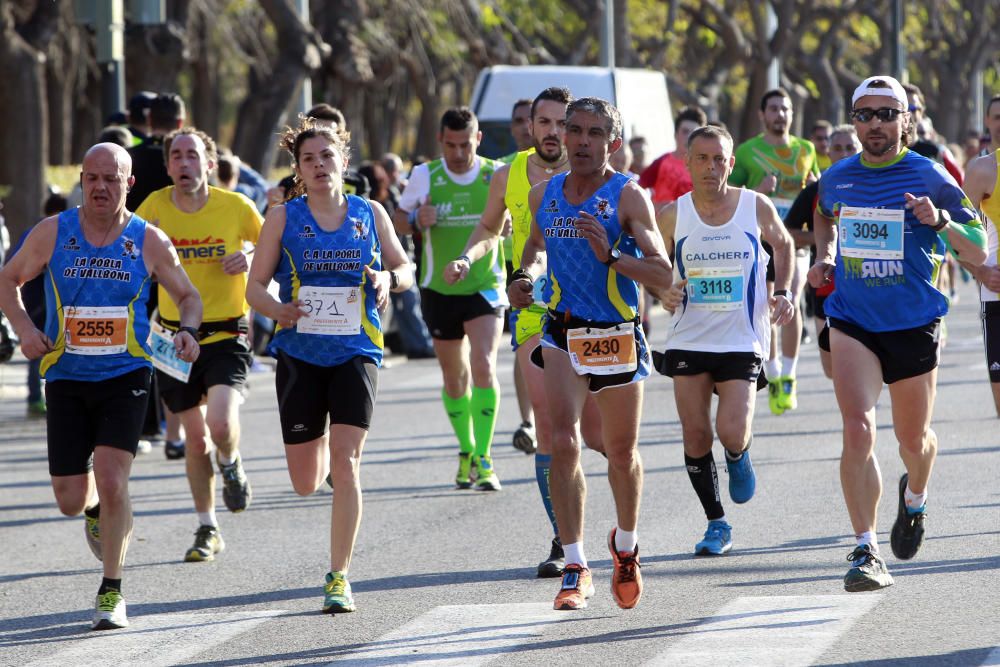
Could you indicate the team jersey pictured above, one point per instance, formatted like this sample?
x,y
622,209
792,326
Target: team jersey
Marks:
x,y
791,164
580,283
990,207
222,226
96,304
887,261
459,208
516,200
672,179
325,270
724,308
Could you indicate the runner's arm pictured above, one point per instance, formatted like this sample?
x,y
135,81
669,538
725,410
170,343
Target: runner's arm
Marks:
x,y
825,234
265,263
666,222
165,267
653,269
29,262
772,230
520,290
394,258
486,234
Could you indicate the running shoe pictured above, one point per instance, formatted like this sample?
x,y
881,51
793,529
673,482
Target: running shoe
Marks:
x,y
577,586
742,480
109,611
337,598
486,477
143,446
207,543
236,492
868,571
37,409
774,397
173,449
524,438
717,541
553,566
787,398
908,531
626,580
92,527
463,479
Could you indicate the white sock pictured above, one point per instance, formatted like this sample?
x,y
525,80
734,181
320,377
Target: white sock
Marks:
x,y
868,537
625,540
788,365
208,518
574,554
721,518
914,500
771,369
225,460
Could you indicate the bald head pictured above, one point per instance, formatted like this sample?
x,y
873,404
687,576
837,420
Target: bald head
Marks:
x,y
106,178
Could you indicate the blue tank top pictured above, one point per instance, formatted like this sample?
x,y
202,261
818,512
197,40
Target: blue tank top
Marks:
x,y
96,304
887,270
313,258
579,282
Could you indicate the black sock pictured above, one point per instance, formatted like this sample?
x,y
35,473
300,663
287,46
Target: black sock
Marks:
x,y
93,512
109,585
705,481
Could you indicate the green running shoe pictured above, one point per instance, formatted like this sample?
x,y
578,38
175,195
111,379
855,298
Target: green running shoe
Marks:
x,y
486,477
109,612
462,477
787,398
774,399
337,598
92,527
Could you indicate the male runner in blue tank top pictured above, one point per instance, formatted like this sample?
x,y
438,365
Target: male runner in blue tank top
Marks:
x,y
896,214
597,229
99,260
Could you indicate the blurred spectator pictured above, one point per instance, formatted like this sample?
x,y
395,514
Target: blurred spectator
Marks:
x,y
138,117
166,114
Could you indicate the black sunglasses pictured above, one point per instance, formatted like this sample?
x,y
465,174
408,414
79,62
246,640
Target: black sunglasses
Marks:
x,y
885,114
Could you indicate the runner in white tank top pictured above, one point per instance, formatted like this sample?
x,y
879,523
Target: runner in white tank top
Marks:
x,y
722,317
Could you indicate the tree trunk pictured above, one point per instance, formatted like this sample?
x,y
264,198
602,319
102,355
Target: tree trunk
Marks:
x,y
22,126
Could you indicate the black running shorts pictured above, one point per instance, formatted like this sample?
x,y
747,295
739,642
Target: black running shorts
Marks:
x,y
225,362
446,314
990,314
903,354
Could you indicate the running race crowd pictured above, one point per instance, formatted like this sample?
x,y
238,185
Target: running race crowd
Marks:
x,y
148,290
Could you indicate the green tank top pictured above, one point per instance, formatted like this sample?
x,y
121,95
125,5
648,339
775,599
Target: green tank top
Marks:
x,y
516,200
459,208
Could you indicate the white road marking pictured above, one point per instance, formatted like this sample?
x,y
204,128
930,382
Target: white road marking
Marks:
x,y
157,639
453,635
787,630
993,658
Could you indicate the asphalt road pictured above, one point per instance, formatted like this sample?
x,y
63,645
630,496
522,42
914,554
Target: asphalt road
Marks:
x,y
447,577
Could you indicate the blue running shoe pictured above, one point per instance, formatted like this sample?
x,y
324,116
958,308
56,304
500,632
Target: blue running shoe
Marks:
x,y
742,480
718,539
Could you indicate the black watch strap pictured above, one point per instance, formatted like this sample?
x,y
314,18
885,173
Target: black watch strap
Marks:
x,y
192,331
783,292
393,280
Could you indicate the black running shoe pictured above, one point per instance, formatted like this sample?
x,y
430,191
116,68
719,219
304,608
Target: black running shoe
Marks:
x,y
868,571
554,565
207,543
908,531
236,491
173,450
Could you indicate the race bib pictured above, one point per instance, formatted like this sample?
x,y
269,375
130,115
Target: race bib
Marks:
x,y
602,351
871,233
538,291
96,330
165,358
715,288
333,311
783,206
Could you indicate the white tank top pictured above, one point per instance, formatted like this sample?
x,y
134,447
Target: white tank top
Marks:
x,y
725,305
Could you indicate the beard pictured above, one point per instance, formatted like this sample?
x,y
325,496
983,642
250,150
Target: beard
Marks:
x,y
548,156
872,149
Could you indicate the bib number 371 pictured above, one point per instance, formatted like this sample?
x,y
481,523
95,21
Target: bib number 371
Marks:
x,y
603,351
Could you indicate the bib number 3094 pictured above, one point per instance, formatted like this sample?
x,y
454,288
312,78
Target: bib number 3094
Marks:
x,y
603,351
871,233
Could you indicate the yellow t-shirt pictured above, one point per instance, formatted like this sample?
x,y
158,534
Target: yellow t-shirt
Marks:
x,y
226,222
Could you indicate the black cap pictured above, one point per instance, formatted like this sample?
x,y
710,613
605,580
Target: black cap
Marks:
x,y
139,103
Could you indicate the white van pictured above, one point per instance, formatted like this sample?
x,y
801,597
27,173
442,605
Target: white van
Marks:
x,y
640,95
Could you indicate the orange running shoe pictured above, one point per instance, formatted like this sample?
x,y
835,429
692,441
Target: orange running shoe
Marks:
x,y
626,582
577,586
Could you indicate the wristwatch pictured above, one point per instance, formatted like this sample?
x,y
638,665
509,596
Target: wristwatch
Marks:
x,y
614,254
782,292
393,280
943,218
192,331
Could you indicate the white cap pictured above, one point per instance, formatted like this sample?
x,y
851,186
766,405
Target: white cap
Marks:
x,y
895,90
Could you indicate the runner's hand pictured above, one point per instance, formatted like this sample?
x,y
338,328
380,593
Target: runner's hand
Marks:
x,y
922,208
187,347
767,185
427,214
989,276
289,314
782,309
521,293
380,281
455,271
235,263
820,274
594,232
674,296
34,344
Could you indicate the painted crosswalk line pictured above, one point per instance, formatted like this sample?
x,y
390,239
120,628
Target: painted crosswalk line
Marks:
x,y
785,631
157,639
